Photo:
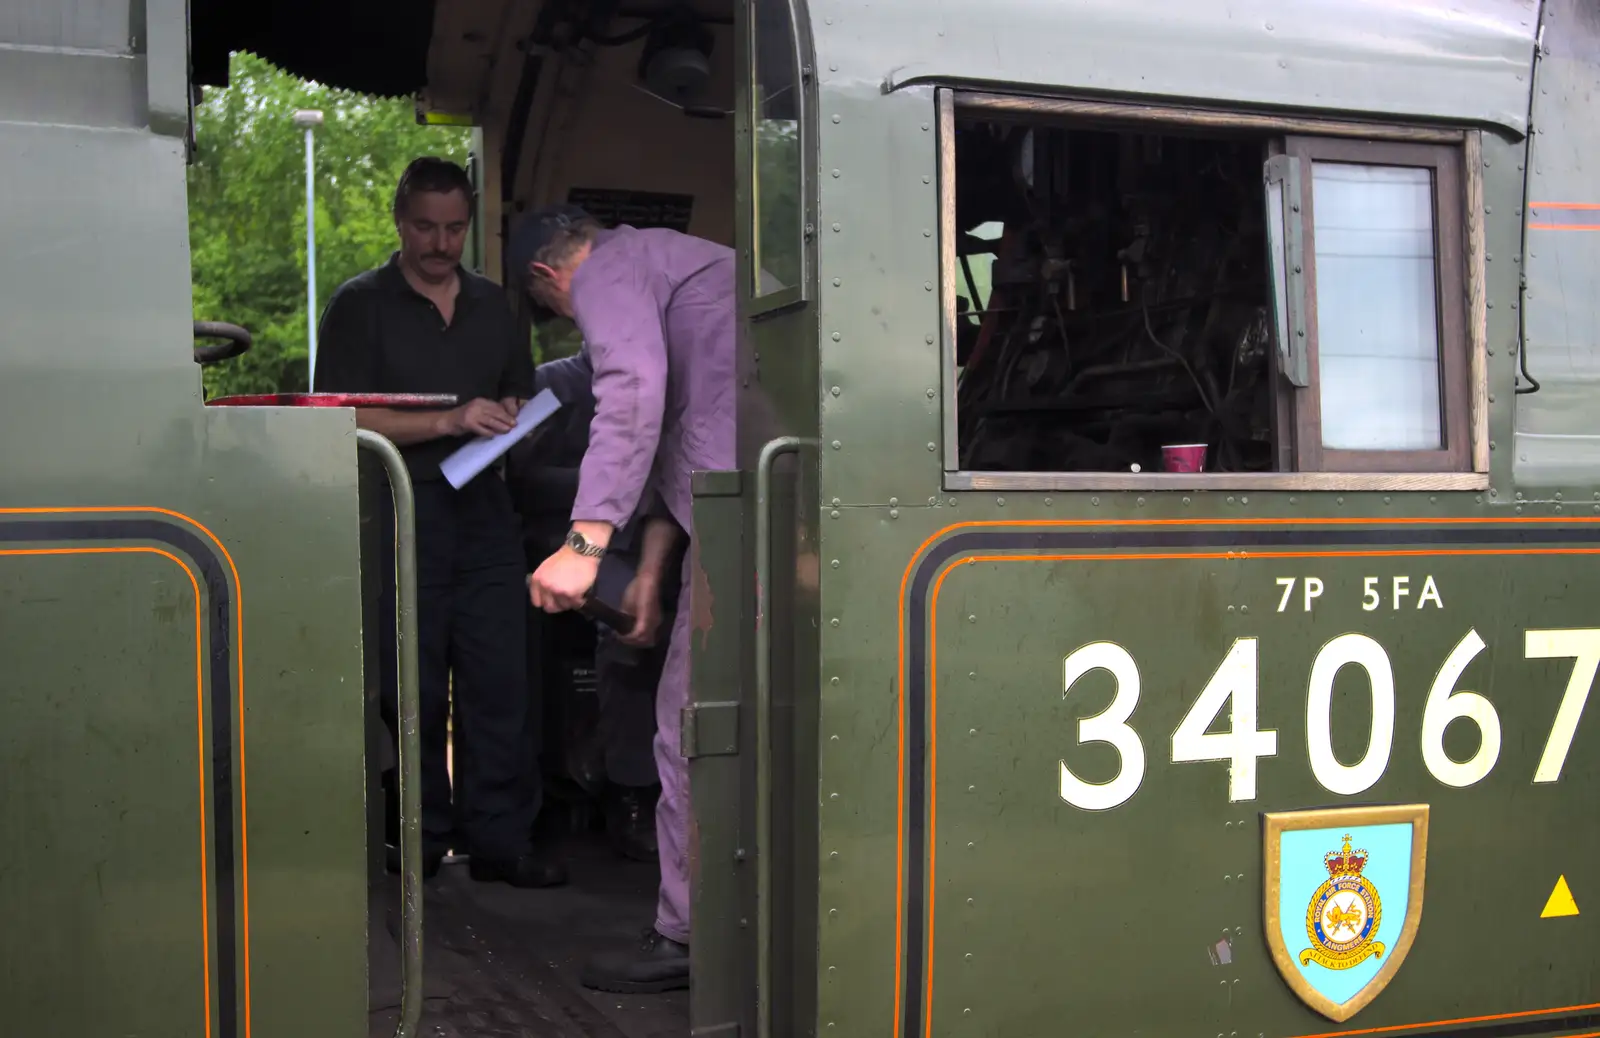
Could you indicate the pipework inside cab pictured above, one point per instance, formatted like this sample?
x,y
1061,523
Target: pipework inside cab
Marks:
x,y
1112,296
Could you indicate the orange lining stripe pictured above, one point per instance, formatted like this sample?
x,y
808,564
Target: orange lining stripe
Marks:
x,y
238,651
1553,205
1136,523
1564,227
200,724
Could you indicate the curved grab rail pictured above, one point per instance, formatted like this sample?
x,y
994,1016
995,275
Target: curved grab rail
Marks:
x,y
769,454
238,341
405,548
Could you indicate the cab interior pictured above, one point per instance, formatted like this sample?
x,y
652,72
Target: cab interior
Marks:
x,y
626,109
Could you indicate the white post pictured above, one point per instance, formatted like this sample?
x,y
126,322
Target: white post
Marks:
x,y
310,120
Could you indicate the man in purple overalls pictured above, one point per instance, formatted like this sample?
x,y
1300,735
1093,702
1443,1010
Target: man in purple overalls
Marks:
x,y
657,313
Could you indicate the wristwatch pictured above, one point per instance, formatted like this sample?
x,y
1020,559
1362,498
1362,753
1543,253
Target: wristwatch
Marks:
x,y
580,544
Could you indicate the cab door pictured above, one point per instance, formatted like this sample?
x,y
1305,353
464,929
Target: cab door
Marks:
x,y
751,737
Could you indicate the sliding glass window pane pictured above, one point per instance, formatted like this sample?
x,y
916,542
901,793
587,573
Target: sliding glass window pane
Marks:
x,y
1377,307
779,231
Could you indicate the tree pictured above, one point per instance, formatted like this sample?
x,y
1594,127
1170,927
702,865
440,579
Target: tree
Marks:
x,y
247,208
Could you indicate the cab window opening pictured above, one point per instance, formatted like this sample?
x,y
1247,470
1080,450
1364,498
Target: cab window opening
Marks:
x,y
778,237
1137,286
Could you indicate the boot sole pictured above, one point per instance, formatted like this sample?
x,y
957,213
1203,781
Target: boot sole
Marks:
x,y
636,987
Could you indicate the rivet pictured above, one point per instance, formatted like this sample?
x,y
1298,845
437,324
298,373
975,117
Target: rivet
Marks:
x,y
1232,609
1244,609
927,233
927,180
933,502
831,66
837,444
836,502
894,502
836,119
834,390
1558,497
834,855
924,126
834,622
834,681
1000,501
833,796
836,173
1491,398
933,447
932,394
1186,501
894,513
833,913
1140,502
970,845
953,502
972,618
835,514
836,336
1386,499
1048,502
972,789
969,956
833,969
836,228
927,286
928,339
972,675
1230,500
1292,500
971,731
1338,500
835,563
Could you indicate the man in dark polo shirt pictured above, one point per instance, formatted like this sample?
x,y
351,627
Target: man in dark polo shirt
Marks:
x,y
423,324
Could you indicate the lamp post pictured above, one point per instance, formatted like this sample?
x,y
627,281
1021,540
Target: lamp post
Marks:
x,y
309,120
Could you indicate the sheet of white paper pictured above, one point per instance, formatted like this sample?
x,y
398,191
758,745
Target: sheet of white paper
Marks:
x,y
461,466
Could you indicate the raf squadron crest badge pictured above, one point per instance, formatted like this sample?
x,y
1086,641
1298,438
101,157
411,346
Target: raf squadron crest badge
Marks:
x,y
1343,900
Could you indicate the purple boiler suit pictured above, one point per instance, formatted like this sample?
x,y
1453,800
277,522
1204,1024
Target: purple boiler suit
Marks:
x,y
657,313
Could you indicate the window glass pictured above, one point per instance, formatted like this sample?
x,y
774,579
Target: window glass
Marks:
x,y
1377,307
779,232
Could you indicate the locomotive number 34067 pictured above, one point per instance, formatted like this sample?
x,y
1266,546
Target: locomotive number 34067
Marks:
x,y
1234,685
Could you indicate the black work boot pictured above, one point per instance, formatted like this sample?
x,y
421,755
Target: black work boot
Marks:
x,y
655,964
431,860
631,822
529,870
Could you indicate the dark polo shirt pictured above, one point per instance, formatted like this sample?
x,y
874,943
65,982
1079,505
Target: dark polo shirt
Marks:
x,y
380,335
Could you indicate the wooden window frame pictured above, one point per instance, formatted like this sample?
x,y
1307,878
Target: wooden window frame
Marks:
x,y
1300,411
1464,208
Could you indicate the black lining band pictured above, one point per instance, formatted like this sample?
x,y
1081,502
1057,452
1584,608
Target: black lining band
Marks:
x,y
219,609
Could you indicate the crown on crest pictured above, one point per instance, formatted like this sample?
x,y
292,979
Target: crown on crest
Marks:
x,y
1345,862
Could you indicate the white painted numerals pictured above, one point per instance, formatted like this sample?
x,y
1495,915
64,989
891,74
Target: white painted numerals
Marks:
x,y
1583,646
1234,683
1109,726
1350,650
1444,707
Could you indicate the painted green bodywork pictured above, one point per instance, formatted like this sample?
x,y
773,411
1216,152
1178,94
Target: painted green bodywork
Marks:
x,y
102,418
1045,918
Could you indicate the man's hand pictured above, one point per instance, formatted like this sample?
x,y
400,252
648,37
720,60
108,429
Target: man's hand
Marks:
x,y
478,418
562,581
642,601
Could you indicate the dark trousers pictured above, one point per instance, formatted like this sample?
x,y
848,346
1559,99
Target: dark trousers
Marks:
x,y
472,615
627,678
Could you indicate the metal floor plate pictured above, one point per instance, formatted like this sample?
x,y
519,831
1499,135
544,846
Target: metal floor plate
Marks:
x,y
504,963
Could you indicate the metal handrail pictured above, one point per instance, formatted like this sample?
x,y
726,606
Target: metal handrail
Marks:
x,y
769,454
410,738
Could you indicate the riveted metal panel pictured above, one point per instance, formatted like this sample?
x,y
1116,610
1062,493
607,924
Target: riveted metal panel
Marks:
x,y
1558,429
879,298
1446,60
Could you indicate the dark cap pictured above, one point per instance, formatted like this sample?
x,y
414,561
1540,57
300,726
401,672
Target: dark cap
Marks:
x,y
533,231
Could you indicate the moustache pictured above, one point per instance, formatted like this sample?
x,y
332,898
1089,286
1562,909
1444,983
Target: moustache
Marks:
x,y
438,256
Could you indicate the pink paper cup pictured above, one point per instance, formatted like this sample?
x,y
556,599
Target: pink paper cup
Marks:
x,y
1183,457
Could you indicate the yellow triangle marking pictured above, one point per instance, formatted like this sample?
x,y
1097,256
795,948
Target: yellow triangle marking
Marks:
x,y
1561,901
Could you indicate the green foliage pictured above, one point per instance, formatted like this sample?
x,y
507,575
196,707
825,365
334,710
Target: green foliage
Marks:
x,y
247,220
